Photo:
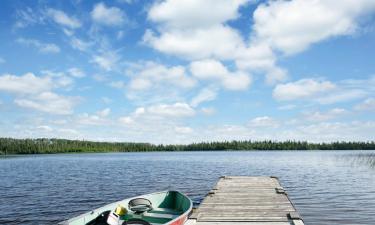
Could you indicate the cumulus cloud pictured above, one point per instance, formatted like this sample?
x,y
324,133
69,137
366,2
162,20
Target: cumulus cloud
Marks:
x,y
159,113
153,73
176,110
183,130
36,92
275,75
25,84
48,102
263,121
302,89
196,43
104,113
76,72
193,13
206,94
214,70
99,118
324,116
63,19
186,29
292,26
109,16
367,105
153,82
107,61
324,92
42,47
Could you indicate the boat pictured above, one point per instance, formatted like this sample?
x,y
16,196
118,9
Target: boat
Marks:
x,y
167,208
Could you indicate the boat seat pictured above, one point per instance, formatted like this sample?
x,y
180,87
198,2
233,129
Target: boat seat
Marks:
x,y
165,211
160,215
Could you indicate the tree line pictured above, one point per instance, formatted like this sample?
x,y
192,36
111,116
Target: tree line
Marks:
x,y
46,146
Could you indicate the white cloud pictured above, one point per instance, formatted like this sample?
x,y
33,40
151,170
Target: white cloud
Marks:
x,y
158,73
126,120
26,17
184,130
175,110
64,81
104,113
154,83
342,95
263,121
48,102
275,75
257,56
206,94
107,61
325,92
158,115
302,89
140,84
334,131
42,47
45,128
367,105
292,26
76,72
61,18
79,44
100,118
26,84
52,73
197,43
208,110
110,16
324,116
214,70
187,27
193,13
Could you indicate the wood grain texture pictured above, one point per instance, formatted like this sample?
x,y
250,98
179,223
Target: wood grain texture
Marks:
x,y
241,200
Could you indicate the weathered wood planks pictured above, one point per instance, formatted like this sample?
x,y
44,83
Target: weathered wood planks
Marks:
x,y
241,200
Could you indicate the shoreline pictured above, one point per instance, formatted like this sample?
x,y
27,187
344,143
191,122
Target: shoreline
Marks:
x,y
9,146
226,150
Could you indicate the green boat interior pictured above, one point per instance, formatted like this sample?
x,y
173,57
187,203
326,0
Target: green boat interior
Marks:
x,y
152,209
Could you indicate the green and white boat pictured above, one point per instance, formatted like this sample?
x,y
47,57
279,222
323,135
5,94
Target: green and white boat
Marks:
x,y
167,208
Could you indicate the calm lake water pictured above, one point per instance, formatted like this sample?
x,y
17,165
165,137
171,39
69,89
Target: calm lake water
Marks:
x,y
327,187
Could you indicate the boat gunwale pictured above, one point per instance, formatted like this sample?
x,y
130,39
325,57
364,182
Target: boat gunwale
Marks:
x,y
187,212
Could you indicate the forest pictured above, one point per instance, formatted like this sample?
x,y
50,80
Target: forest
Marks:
x,y
48,146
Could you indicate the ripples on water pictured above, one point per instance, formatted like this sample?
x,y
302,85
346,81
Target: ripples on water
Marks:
x,y
327,187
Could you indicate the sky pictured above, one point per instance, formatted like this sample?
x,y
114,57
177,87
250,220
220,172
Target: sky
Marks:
x,y
184,71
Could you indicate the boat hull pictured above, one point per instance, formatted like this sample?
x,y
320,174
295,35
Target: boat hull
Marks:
x,y
169,208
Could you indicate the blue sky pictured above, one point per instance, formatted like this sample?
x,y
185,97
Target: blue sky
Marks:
x,y
179,71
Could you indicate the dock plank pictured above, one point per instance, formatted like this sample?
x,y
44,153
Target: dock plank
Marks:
x,y
241,200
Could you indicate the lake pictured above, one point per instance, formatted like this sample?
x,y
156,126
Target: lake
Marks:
x,y
327,187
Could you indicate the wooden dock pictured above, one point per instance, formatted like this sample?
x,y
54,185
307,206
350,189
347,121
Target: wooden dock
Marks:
x,y
239,200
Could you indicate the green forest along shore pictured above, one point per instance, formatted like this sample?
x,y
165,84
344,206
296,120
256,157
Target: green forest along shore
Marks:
x,y
47,146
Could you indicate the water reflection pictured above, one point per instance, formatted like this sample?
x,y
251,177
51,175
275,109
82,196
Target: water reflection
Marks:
x,y
323,185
